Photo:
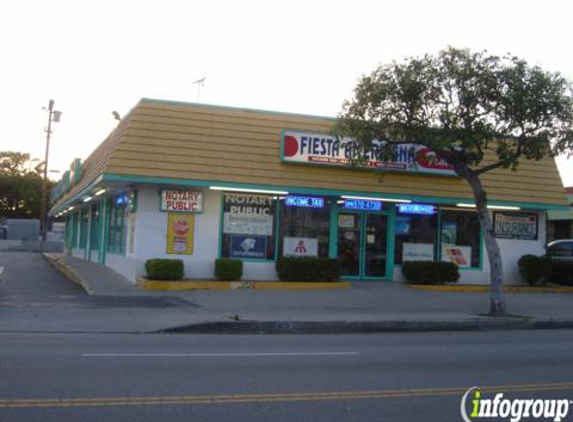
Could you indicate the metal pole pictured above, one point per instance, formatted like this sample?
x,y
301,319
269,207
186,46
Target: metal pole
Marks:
x,y
43,217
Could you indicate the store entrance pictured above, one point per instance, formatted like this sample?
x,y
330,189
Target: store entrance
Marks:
x,y
362,244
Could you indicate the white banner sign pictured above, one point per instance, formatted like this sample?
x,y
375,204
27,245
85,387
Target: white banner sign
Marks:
x,y
418,252
181,201
300,246
316,148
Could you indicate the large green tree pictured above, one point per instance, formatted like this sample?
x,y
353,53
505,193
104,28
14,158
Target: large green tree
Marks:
x,y
20,185
464,106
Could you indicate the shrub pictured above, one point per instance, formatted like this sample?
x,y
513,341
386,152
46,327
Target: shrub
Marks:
x,y
164,269
430,272
308,269
228,269
562,272
534,270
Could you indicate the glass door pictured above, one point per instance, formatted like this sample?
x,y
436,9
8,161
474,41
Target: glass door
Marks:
x,y
362,244
375,248
350,243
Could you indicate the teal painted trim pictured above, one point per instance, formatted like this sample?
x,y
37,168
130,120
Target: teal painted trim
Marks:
x,y
333,231
481,248
101,229
391,244
110,177
438,249
221,223
276,229
220,107
107,221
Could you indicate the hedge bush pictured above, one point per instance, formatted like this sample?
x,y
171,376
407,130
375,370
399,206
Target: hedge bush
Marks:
x,y
562,272
534,270
164,269
430,272
308,269
228,269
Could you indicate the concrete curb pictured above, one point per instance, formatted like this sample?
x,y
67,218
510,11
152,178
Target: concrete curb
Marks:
x,y
69,272
485,289
182,285
348,327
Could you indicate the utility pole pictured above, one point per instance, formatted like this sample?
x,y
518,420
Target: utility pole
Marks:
x,y
52,116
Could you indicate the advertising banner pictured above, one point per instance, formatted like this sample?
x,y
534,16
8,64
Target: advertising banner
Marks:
x,y
300,246
322,149
254,247
515,225
418,252
181,201
180,231
248,214
460,255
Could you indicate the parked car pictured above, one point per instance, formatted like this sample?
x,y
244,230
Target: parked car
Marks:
x,y
560,250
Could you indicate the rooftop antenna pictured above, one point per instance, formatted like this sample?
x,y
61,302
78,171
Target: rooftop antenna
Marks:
x,y
200,83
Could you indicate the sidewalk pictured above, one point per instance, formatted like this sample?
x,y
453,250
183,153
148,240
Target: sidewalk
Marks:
x,y
365,307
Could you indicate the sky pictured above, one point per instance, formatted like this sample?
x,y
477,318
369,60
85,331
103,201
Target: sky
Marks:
x,y
96,57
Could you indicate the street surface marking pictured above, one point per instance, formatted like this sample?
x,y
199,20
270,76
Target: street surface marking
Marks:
x,y
212,355
278,397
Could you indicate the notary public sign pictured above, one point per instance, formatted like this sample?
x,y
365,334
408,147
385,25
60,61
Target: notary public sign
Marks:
x,y
181,201
322,149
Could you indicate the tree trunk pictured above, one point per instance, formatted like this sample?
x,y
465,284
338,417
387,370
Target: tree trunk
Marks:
x,y
497,296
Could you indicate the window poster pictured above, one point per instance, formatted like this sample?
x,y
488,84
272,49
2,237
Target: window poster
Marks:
x,y
246,246
449,232
248,215
300,246
418,252
180,231
460,255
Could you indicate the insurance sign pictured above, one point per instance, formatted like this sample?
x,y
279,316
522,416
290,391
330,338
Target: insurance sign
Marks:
x,y
322,149
515,225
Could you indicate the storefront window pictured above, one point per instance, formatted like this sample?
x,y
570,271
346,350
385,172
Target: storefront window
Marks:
x,y
304,228
460,238
119,212
416,237
453,237
249,223
84,219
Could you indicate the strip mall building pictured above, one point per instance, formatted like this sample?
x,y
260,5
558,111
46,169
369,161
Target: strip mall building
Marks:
x,y
198,182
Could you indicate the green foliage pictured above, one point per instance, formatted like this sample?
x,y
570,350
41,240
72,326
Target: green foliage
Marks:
x,y
228,269
20,185
164,269
430,272
562,272
534,270
457,103
308,269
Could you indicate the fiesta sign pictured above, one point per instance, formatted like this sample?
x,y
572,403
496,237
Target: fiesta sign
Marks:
x,y
322,149
181,201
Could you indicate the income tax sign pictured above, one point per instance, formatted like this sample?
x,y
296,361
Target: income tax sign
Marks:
x,y
322,149
181,201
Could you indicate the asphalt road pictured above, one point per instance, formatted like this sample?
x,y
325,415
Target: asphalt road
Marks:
x,y
383,377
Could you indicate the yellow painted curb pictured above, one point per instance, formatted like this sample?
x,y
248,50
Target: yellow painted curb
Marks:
x,y
485,289
239,285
